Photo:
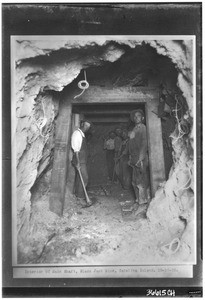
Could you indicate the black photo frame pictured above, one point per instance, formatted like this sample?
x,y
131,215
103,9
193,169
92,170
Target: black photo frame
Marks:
x,y
156,18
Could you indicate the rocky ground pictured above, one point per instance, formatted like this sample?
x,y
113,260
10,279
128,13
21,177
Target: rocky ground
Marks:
x,y
111,232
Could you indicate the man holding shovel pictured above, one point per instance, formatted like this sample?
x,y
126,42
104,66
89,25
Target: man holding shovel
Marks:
x,y
79,161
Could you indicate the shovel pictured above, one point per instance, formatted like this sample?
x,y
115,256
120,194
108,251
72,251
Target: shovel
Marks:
x,y
87,199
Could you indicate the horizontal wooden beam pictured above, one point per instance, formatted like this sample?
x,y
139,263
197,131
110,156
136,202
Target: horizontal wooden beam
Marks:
x,y
96,94
102,111
109,120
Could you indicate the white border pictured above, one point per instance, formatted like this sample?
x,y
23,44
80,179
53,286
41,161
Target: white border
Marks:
x,y
13,157
100,37
195,145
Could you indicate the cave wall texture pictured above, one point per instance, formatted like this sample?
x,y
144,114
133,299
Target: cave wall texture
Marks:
x,y
43,68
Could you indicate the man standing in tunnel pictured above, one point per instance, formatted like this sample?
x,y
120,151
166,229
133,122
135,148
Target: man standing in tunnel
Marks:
x,y
117,145
125,172
139,157
78,144
109,146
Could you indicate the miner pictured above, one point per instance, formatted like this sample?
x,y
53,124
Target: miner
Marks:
x,y
109,146
117,144
124,172
139,157
78,144
118,141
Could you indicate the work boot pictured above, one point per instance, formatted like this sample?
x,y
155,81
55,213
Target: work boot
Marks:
x,y
141,209
81,201
136,205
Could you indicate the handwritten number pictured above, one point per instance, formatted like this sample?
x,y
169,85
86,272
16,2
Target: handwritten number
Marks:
x,y
160,293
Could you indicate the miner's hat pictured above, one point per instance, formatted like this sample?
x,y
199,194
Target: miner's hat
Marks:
x,y
82,122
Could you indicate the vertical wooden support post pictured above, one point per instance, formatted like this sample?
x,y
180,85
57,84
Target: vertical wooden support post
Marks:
x,y
75,121
71,175
62,146
155,142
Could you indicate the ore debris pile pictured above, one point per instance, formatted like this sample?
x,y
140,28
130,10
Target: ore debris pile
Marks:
x,y
105,234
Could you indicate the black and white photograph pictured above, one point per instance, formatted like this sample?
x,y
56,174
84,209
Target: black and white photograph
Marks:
x,y
105,144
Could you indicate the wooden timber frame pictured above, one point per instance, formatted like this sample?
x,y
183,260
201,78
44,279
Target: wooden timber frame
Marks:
x,y
98,95
61,151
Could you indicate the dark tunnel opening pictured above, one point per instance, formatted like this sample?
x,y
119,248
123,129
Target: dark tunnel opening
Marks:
x,y
105,118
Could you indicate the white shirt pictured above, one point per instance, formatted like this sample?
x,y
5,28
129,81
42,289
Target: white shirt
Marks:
x,y
77,139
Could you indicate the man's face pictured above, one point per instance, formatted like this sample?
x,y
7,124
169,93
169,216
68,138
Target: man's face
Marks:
x,y
86,126
138,118
112,135
118,132
124,135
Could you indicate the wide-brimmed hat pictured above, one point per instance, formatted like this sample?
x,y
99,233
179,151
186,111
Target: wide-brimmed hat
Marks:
x,y
133,113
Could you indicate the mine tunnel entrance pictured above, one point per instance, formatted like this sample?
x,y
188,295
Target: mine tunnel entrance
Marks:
x,y
104,222
136,80
111,112
106,118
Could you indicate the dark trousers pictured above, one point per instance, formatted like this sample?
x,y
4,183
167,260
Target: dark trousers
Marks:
x,y
140,182
110,154
125,173
78,190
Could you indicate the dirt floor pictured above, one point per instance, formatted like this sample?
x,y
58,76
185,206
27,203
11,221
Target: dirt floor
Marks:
x,y
113,231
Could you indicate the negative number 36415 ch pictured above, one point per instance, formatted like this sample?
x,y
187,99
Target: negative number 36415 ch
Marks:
x,y
160,293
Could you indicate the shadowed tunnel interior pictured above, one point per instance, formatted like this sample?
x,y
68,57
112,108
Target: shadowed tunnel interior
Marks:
x,y
105,118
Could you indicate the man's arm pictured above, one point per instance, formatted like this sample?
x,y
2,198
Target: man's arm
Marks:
x,y
105,145
143,150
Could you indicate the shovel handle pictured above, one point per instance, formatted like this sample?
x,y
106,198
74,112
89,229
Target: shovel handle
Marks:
x,y
88,201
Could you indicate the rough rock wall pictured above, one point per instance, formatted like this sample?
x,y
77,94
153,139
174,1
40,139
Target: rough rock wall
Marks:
x,y
36,111
174,203
34,74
